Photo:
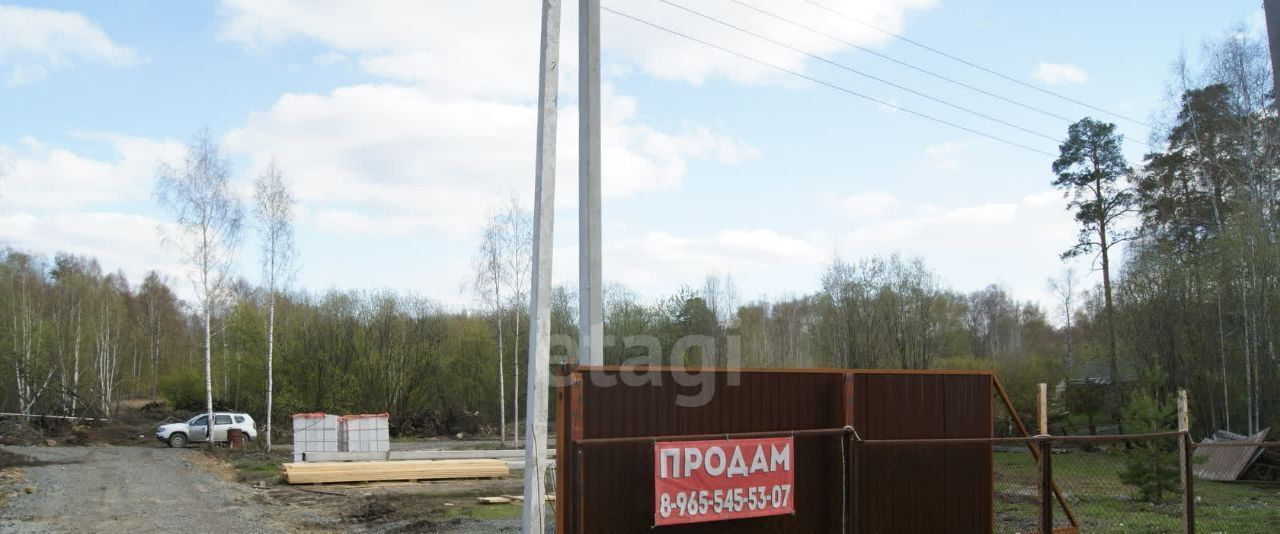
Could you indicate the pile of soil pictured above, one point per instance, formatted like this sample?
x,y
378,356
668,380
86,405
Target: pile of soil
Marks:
x,y
15,432
431,423
399,513
12,459
133,423
82,436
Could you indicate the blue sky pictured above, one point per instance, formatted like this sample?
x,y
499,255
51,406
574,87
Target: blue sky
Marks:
x,y
402,125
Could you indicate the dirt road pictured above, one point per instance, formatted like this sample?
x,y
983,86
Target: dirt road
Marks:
x,y
130,490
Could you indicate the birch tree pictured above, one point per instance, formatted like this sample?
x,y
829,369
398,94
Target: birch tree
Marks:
x,y
73,277
208,217
28,326
273,210
491,274
107,337
1064,290
157,303
517,258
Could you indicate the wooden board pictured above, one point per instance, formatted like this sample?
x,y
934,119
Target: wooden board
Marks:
x,y
331,472
516,454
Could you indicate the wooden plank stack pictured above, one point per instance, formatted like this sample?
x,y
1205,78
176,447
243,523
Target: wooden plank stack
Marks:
x,y
331,472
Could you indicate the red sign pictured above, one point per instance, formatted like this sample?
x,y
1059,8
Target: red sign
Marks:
x,y
697,481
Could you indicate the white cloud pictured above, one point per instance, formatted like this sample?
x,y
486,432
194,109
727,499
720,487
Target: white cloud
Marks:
x,y
767,244
35,42
41,177
119,241
969,244
672,57
944,155
652,261
868,204
393,159
59,200
1055,73
451,47
1256,24
331,57
491,47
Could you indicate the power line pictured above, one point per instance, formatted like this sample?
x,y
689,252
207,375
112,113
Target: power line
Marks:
x,y
827,84
860,73
975,65
887,57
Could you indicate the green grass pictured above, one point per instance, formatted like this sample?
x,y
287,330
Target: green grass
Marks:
x,y
257,466
483,512
1101,502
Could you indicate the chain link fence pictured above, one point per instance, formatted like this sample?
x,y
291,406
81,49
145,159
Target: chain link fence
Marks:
x,y
1015,474
1237,487
1129,485
1153,482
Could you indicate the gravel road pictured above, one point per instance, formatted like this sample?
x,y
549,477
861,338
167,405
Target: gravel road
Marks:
x,y
131,490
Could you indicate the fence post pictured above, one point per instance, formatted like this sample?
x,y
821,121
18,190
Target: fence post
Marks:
x,y
1042,408
1184,458
853,444
1046,463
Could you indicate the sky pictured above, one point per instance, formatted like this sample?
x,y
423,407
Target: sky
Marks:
x,y
403,125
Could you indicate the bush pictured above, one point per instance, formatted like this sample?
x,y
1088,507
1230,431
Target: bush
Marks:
x,y
1152,465
184,390
1089,398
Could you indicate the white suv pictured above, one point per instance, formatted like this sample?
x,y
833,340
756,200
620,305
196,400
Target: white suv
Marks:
x,y
196,429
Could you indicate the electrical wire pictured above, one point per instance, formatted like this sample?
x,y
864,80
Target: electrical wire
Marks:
x,y
861,73
887,57
827,84
974,65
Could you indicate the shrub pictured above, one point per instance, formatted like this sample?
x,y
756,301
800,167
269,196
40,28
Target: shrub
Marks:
x,y
184,389
1151,465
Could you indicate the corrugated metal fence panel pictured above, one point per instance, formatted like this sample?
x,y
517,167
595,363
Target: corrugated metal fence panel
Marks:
x,y
609,488
617,480
1228,463
922,488
969,415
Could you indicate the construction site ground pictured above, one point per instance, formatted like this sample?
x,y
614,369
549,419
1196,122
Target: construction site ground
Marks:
x,y
117,478
153,489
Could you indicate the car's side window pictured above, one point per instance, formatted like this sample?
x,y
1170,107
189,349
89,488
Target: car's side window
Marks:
x,y
239,419
201,421
222,419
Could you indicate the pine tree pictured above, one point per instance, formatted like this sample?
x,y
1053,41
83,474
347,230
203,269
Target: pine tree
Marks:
x,y
1152,465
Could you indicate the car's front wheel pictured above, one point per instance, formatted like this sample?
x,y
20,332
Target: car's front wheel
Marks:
x,y
177,440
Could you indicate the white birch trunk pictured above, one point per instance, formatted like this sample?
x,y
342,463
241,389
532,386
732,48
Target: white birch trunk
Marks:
x,y
515,396
271,336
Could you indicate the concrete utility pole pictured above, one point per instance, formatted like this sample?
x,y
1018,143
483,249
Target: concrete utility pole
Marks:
x,y
1271,8
590,314
544,206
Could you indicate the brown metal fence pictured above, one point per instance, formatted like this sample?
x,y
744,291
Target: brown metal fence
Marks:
x,y
891,452
611,416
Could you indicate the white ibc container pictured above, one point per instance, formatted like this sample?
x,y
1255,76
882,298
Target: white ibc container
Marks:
x,y
314,432
365,432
